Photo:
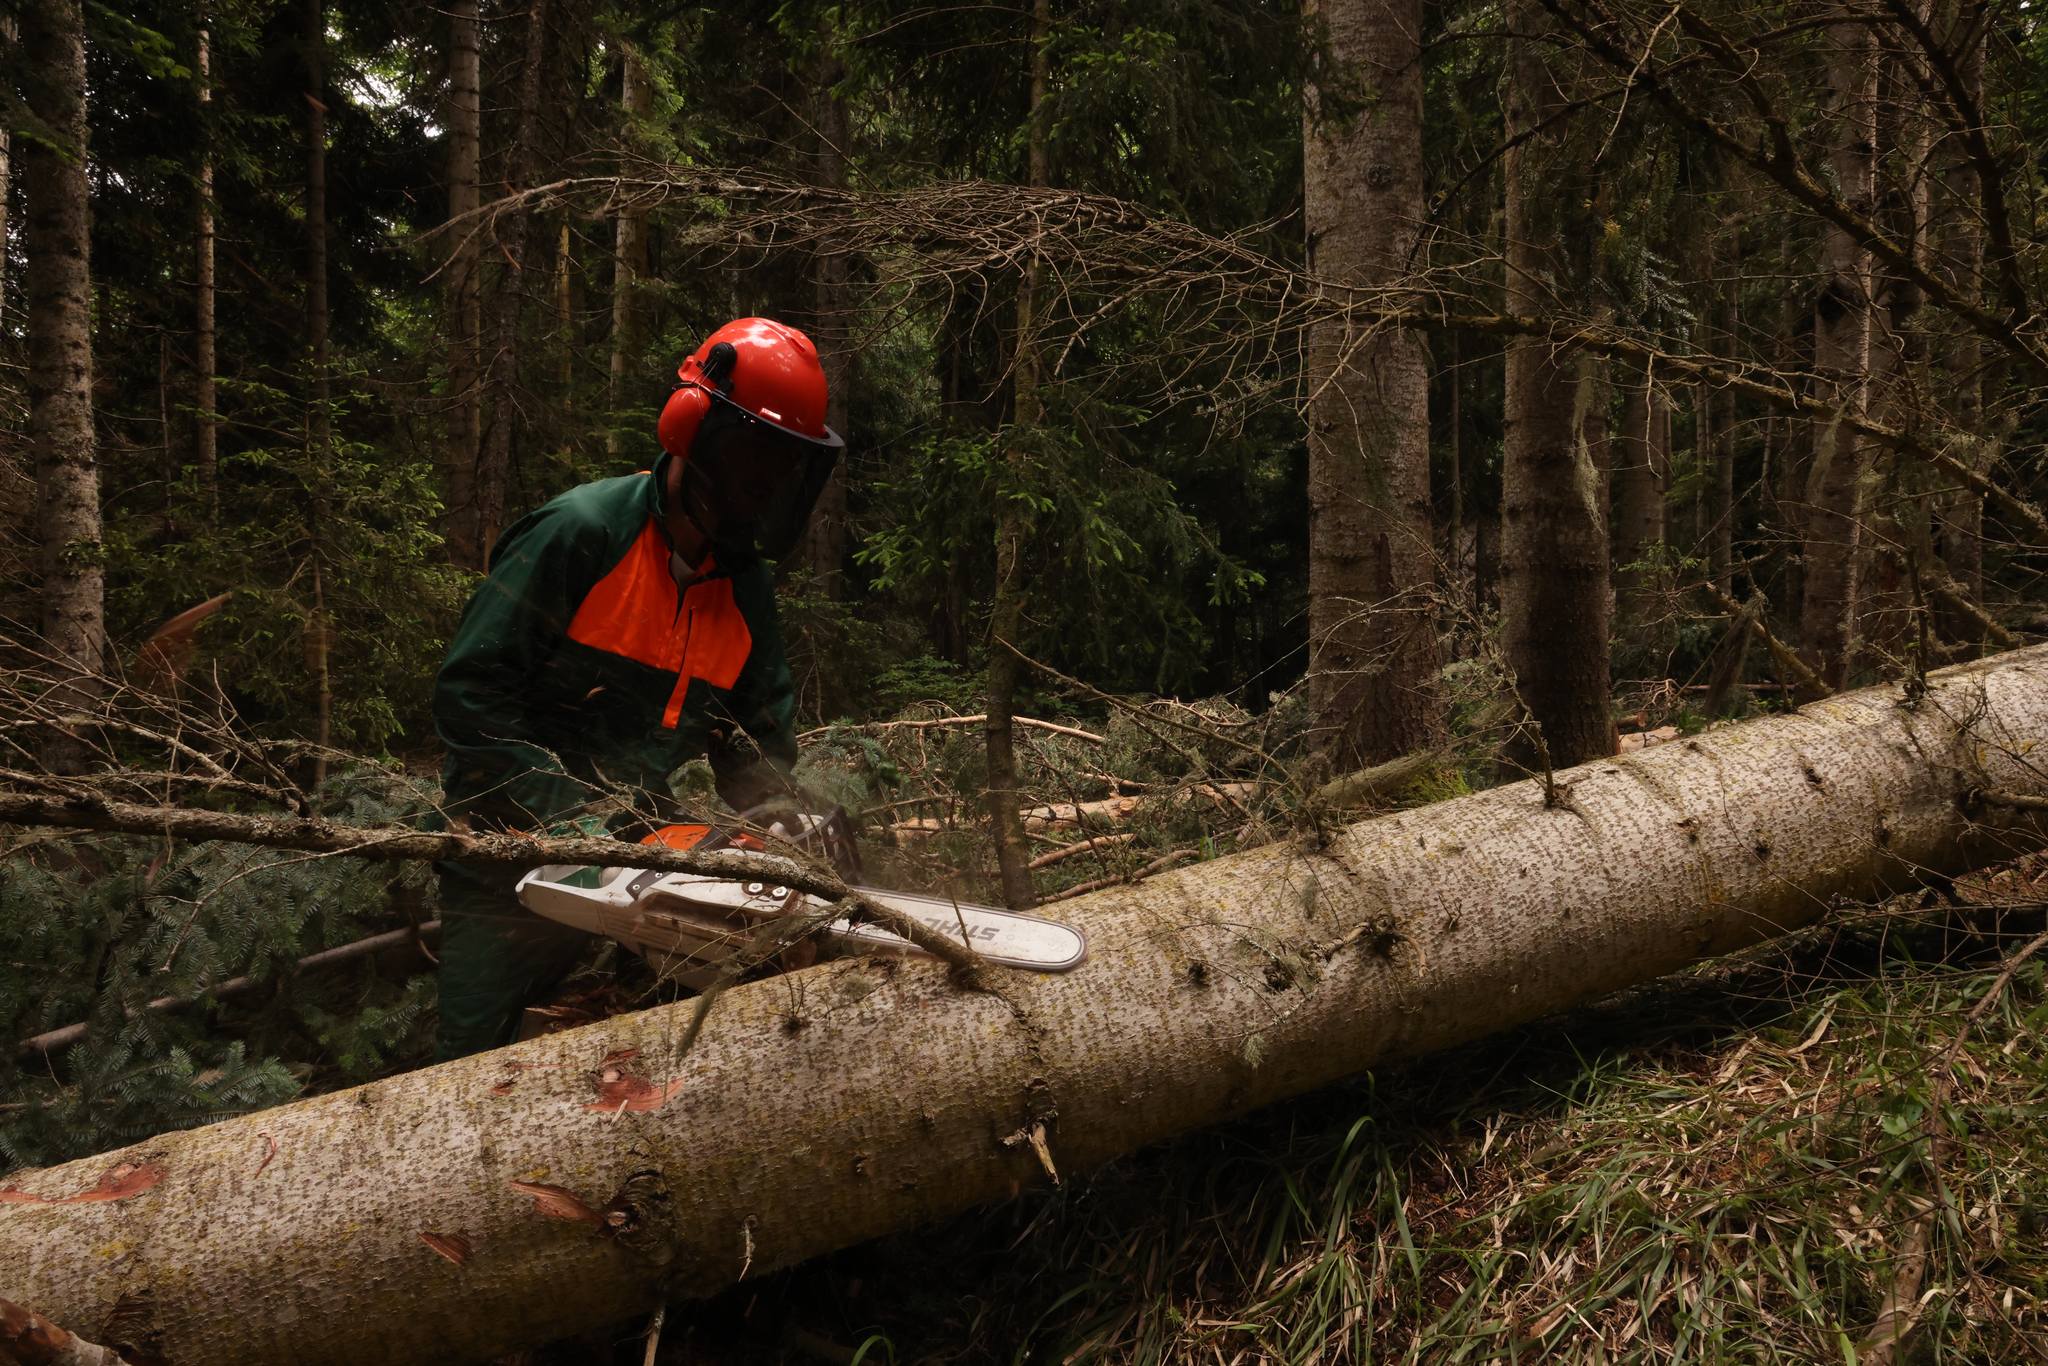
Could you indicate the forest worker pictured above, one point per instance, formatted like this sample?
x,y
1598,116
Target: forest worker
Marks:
x,y
624,629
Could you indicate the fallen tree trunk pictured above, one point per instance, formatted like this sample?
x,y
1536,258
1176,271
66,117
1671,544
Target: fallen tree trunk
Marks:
x,y
579,1178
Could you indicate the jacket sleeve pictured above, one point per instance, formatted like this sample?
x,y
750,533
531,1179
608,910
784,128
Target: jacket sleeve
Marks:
x,y
754,749
513,624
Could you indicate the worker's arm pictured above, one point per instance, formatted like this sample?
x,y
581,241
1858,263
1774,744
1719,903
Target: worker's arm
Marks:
x,y
513,624
754,748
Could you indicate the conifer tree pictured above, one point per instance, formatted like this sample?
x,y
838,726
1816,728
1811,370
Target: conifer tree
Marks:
x,y
57,245
1372,623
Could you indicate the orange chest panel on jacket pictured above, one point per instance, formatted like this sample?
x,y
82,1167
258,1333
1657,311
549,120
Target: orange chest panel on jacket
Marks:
x,y
636,611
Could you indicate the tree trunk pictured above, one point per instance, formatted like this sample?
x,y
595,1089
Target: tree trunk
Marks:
x,y
1553,556
205,368
319,411
1717,448
8,37
520,239
629,260
828,537
1835,499
1641,452
57,245
1006,614
462,293
1714,423
1454,538
1373,654
571,1181
1959,517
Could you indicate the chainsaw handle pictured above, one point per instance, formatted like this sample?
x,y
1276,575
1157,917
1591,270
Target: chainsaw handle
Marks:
x,y
587,908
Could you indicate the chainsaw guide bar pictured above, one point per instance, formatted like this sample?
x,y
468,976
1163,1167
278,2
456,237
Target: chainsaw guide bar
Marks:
x,y
695,926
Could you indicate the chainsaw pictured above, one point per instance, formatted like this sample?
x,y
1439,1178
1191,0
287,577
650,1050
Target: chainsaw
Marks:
x,y
700,929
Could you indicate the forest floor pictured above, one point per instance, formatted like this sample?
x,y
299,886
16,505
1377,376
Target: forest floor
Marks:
x,y
1795,1155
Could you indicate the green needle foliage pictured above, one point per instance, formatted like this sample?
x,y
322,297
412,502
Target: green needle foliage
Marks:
x,y
97,927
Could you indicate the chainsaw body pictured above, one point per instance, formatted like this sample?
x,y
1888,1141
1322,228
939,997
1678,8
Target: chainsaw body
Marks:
x,y
694,927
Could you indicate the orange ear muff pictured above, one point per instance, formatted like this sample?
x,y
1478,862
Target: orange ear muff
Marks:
x,y
681,417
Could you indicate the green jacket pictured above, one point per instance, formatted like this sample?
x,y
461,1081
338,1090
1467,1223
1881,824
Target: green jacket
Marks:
x,y
579,666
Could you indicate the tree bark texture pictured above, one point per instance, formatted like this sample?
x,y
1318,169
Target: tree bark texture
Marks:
x,y
1372,668
8,37
57,243
1006,613
1554,592
462,296
1836,494
205,366
629,257
574,1180
521,240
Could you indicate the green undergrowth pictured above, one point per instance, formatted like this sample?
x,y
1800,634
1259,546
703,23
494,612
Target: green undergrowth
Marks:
x,y
1729,1166
95,927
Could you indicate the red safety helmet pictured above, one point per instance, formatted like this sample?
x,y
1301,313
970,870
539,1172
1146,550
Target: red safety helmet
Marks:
x,y
748,424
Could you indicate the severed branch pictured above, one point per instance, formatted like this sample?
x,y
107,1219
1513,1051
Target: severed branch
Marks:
x,y
312,835
1806,684
1088,844
941,722
32,1340
1958,600
1376,784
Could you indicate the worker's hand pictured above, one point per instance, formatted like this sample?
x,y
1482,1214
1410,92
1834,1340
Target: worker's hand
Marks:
x,y
578,827
829,835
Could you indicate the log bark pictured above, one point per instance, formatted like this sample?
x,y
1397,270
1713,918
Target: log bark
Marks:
x,y
578,1178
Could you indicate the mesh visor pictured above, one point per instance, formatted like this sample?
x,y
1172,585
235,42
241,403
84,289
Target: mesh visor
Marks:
x,y
758,481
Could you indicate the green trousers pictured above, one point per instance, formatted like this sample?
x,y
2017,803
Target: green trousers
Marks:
x,y
497,958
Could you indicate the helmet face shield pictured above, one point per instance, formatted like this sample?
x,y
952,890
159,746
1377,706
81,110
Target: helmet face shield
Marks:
x,y
753,484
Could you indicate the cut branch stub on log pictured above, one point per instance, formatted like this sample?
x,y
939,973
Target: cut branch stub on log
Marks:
x,y
29,1339
825,1107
